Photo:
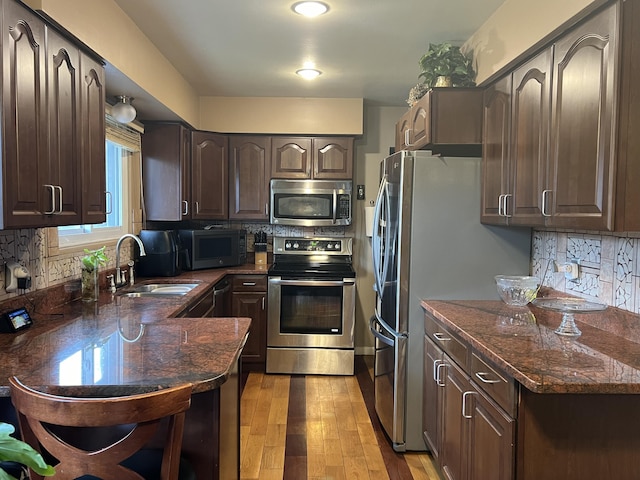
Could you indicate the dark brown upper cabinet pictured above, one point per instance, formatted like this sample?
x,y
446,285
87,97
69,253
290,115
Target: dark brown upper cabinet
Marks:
x,y
209,176
249,170
516,144
445,120
328,158
52,127
166,171
573,152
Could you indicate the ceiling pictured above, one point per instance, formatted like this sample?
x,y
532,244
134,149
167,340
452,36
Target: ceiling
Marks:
x,y
365,48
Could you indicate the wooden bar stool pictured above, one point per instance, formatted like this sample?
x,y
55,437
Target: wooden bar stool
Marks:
x,y
56,423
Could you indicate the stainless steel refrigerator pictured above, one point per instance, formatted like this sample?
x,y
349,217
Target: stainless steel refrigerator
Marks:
x,y
428,243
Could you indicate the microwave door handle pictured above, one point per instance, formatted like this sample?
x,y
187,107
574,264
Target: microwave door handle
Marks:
x,y
335,205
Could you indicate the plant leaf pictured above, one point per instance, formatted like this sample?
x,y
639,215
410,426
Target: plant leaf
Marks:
x,y
14,450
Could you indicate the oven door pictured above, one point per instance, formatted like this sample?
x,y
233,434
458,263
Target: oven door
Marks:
x,y
310,312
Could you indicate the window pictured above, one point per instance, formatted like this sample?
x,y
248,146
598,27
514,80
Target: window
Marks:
x,y
117,224
122,149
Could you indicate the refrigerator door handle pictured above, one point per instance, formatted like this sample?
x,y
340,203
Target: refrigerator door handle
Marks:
x,y
378,263
384,339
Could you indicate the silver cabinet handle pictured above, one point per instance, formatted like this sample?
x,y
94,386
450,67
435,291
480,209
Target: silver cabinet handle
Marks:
x,y
441,337
58,211
185,210
505,208
439,378
545,194
407,135
53,200
197,207
266,209
464,404
500,205
436,364
110,203
263,302
249,284
482,376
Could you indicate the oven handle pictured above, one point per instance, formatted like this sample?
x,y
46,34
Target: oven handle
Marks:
x,y
314,283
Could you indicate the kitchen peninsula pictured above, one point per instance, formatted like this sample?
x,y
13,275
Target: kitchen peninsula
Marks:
x,y
507,398
126,345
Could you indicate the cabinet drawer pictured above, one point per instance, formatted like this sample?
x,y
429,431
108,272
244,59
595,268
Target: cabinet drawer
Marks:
x,y
249,283
500,388
443,338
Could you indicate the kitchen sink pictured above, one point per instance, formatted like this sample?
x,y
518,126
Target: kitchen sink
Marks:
x,y
155,289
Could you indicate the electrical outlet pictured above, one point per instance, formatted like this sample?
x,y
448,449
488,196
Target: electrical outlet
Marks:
x,y
570,269
360,192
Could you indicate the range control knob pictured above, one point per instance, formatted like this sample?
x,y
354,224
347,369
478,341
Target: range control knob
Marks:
x,y
287,245
295,246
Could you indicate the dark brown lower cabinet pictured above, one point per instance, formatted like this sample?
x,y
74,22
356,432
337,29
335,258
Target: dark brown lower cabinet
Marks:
x,y
481,424
249,299
469,436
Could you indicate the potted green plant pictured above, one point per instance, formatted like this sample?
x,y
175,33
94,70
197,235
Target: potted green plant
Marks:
x,y
14,450
445,65
91,262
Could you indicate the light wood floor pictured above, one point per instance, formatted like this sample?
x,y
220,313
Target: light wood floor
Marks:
x,y
335,439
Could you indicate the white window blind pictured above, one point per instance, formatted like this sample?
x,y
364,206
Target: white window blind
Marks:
x,y
122,134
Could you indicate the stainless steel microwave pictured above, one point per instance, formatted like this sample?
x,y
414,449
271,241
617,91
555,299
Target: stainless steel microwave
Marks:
x,y
311,203
212,248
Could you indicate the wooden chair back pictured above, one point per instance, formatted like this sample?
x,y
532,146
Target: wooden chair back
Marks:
x,y
142,414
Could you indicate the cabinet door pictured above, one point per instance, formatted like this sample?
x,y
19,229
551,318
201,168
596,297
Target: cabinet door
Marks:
x,y
166,175
252,305
291,157
420,135
491,439
65,130
495,151
24,120
583,123
92,98
209,176
402,127
530,140
333,158
454,425
433,389
249,169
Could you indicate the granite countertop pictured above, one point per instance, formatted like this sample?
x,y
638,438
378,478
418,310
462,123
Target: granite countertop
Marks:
x,y
121,345
521,341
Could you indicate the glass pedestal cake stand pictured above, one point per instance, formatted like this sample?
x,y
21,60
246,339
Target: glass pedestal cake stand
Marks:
x,y
568,307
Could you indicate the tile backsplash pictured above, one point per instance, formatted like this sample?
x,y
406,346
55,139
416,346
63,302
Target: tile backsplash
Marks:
x,y
609,270
50,266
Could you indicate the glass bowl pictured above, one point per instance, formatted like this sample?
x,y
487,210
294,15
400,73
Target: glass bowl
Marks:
x,y
516,289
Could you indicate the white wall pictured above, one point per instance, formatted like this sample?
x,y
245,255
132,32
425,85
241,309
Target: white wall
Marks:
x,y
516,26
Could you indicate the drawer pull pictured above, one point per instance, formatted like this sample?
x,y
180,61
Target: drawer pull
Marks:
x,y
464,404
482,377
441,337
248,284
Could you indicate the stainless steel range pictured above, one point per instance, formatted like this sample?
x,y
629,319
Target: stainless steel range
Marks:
x,y
311,292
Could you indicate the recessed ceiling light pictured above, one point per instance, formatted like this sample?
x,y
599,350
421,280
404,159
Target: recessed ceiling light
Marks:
x,y
310,9
308,73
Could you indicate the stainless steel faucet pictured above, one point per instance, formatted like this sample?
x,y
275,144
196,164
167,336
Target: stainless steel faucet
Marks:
x,y
119,281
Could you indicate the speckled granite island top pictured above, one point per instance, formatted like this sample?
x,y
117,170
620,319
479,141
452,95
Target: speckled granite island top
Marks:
x,y
122,345
521,341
